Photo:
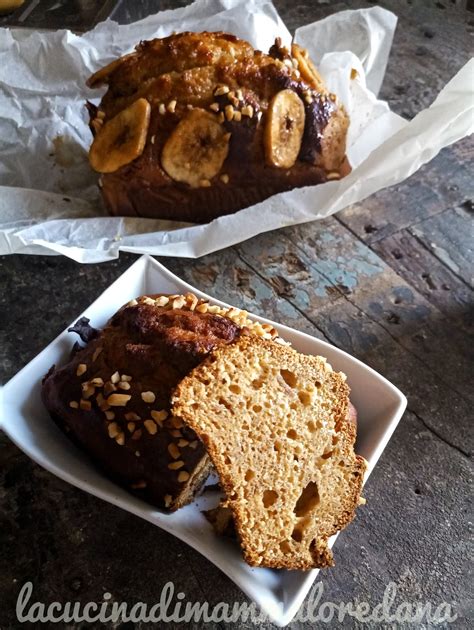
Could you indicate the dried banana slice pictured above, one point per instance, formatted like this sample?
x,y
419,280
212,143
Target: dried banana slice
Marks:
x,y
121,139
196,149
284,129
307,68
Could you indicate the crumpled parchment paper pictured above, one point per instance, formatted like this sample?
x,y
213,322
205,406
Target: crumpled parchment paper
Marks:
x,y
49,200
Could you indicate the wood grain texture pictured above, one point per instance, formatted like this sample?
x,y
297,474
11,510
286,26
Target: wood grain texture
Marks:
x,y
388,280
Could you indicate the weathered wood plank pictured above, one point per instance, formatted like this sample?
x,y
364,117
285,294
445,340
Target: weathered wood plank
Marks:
x,y
227,277
450,238
428,275
385,297
441,184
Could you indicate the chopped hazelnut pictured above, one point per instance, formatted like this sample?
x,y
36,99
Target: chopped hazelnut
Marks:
x,y
151,427
81,369
148,397
118,400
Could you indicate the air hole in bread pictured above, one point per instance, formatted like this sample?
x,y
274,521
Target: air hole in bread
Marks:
x,y
289,378
305,398
257,408
292,434
235,389
249,475
269,498
293,406
308,500
297,534
225,403
285,546
312,428
277,446
257,383
227,460
335,440
318,385
327,454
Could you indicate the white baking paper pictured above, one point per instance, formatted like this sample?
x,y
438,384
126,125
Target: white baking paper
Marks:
x,y
49,200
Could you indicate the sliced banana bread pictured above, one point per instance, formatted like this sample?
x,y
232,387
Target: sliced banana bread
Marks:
x,y
274,424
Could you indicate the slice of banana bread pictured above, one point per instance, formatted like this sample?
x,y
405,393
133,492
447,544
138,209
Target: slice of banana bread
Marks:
x,y
274,424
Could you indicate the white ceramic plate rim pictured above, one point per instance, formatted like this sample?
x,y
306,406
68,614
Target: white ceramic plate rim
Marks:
x,y
146,265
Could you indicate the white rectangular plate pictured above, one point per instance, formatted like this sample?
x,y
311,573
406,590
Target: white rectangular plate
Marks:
x,y
380,406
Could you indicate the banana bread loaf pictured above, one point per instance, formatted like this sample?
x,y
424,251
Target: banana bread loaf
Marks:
x,y
197,125
113,396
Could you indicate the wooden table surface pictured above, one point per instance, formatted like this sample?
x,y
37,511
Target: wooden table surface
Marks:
x,y
389,280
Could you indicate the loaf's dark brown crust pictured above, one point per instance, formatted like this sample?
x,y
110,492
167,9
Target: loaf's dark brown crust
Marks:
x,y
156,347
187,68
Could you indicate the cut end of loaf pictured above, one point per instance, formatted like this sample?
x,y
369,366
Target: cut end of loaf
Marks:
x,y
274,424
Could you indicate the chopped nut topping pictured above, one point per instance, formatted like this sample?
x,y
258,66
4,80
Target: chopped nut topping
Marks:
x,y
132,417
148,300
247,111
237,116
221,117
97,382
97,351
87,390
183,476
180,301
131,427
162,108
189,106
172,106
162,300
167,499
239,95
74,404
183,443
176,465
177,422
113,429
221,90
202,308
214,107
109,388
118,400
125,377
173,450
333,175
120,439
124,385
137,434
132,303
104,406
110,415
115,378
148,397
151,427
308,99
205,183
137,453
229,112
85,405
191,301
225,178
81,368
193,444
159,416
176,433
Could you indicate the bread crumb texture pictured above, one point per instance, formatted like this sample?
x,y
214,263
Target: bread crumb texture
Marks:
x,y
273,422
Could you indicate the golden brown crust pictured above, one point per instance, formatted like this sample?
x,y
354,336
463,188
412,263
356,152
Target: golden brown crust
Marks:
x,y
274,423
223,75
